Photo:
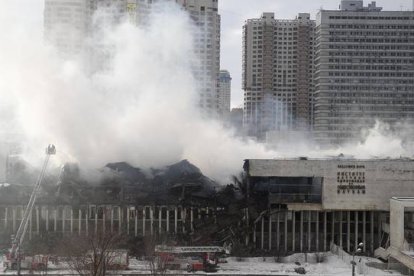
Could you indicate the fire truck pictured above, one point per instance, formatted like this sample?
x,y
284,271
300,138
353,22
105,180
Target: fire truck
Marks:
x,y
15,258
190,258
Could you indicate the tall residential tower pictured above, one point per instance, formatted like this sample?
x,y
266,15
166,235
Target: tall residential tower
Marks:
x,y
224,94
69,23
277,74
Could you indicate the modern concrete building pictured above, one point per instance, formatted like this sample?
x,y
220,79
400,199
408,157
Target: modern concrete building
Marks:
x,y
207,22
312,203
67,25
364,70
224,94
277,73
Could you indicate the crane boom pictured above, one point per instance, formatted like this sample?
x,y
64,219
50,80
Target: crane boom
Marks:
x,y
19,237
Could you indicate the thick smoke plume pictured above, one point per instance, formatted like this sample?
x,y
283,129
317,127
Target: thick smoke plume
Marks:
x,y
143,110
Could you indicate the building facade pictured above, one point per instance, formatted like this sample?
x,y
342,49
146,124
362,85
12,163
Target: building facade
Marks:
x,y
364,70
277,74
224,94
311,204
69,24
207,22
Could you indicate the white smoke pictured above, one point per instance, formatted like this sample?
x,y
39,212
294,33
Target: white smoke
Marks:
x,y
142,111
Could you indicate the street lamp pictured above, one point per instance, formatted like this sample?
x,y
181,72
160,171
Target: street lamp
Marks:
x,y
357,251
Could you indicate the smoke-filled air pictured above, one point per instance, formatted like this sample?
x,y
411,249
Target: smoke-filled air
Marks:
x,y
142,109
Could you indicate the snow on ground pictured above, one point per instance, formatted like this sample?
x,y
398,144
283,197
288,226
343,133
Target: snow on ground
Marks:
x,y
332,266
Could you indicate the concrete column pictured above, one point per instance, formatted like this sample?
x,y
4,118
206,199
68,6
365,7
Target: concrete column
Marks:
x,y
379,229
356,229
270,232
348,230
143,220
160,220
55,219
286,231
278,231
87,220
6,217
262,235
333,227
136,222
364,230
168,220
63,219
127,220
340,228
317,231
30,225
71,220
112,219
14,218
183,218
309,230
80,222
293,231
372,231
176,220
301,231
325,234
47,219
152,220
254,235
119,219
96,220
199,213
104,219
191,219
37,221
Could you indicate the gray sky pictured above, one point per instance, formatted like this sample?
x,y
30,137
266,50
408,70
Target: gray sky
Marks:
x,y
233,14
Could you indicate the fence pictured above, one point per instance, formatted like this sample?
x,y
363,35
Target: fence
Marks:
x,y
362,267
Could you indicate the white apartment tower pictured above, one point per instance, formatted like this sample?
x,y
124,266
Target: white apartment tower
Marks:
x,y
277,74
206,33
204,14
69,22
224,94
364,70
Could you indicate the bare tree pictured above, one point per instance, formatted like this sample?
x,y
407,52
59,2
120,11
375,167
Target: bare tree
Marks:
x,y
91,255
157,264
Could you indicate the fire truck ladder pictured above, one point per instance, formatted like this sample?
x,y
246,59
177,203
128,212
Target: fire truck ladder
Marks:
x,y
188,249
19,237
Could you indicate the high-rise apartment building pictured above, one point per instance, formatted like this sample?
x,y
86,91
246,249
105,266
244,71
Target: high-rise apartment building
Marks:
x,y
68,23
364,70
204,14
224,93
278,74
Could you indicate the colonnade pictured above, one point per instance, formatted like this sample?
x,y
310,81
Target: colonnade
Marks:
x,y
308,231
131,220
